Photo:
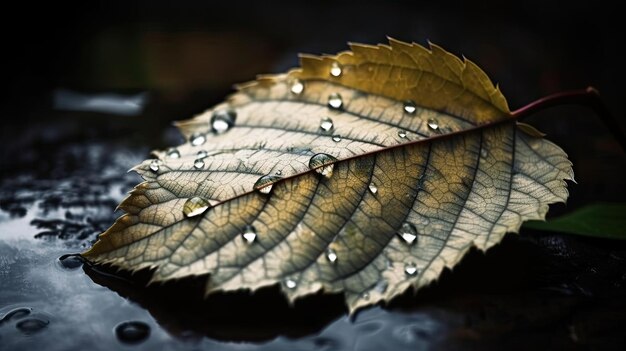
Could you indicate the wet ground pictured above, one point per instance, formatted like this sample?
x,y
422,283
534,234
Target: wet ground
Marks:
x,y
59,191
63,173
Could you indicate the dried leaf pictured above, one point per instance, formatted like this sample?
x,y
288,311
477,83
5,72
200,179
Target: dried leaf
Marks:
x,y
363,173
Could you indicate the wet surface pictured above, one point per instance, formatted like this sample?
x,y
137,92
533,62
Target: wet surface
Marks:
x,y
534,290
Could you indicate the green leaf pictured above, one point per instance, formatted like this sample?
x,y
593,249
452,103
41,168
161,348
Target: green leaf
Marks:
x,y
601,220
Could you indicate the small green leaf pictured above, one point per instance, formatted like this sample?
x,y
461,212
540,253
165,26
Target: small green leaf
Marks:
x,y
602,220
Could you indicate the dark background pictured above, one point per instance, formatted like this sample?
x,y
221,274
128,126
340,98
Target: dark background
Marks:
x,y
187,55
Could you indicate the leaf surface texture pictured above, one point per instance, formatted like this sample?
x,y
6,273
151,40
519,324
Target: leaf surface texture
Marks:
x,y
380,167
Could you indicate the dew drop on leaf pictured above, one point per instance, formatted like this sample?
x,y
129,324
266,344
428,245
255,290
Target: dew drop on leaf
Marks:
x,y
433,124
173,153
373,188
222,120
249,234
408,233
326,124
195,206
198,164
336,138
409,107
335,101
410,269
323,164
335,69
297,87
201,154
365,296
154,165
265,183
197,139
290,283
402,134
331,255
484,153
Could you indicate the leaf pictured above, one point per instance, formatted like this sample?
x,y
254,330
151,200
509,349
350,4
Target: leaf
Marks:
x,y
602,220
420,160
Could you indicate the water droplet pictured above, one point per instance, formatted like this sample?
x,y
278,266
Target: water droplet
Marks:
x,y
132,332
433,124
484,153
335,101
154,165
323,164
297,87
195,206
265,184
373,188
16,313
331,255
402,134
336,138
410,269
365,296
198,164
31,325
290,283
335,69
279,172
326,124
408,233
71,261
173,153
202,154
381,286
249,234
197,139
409,107
222,120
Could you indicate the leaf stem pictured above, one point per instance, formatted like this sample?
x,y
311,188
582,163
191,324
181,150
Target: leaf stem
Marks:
x,y
589,97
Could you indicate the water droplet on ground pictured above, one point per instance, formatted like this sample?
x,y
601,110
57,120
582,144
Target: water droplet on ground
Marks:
x,y
197,139
71,261
223,120
132,332
335,69
15,313
265,184
408,233
249,234
323,164
195,206
335,101
31,325
409,107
